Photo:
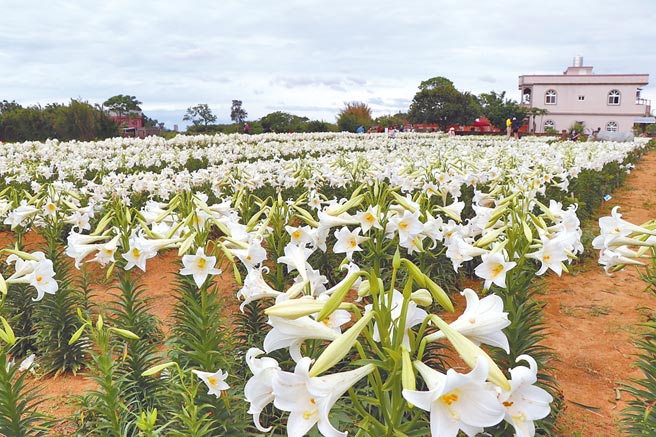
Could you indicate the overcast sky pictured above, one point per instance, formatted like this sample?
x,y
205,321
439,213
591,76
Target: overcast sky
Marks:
x,y
306,57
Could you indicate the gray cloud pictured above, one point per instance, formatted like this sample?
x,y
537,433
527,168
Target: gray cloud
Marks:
x,y
306,55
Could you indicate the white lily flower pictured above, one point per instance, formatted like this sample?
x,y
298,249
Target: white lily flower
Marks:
x,y
258,390
215,381
106,252
138,253
348,241
49,208
482,321
79,221
524,402
407,225
27,363
369,219
296,259
43,279
255,287
291,333
38,273
310,399
457,401
551,255
80,246
493,269
252,256
459,251
611,259
301,235
21,215
200,266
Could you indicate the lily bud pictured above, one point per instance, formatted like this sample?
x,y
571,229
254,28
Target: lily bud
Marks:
x,y
490,237
340,347
408,381
495,215
422,297
415,273
295,308
156,369
125,333
403,202
527,232
77,334
7,334
439,295
340,209
364,289
338,295
396,260
186,244
469,352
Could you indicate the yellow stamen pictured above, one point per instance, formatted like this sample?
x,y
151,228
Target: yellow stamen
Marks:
x,y
449,398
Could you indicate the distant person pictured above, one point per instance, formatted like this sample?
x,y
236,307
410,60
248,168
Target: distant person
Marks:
x,y
452,132
515,127
574,136
392,132
508,128
360,129
247,129
593,134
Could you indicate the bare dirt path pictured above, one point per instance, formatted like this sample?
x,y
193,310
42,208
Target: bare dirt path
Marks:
x,y
593,320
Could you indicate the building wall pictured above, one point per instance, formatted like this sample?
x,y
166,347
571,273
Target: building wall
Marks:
x,y
125,121
593,109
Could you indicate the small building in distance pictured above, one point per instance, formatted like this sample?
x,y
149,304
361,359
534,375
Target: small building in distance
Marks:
x,y
132,125
130,120
611,102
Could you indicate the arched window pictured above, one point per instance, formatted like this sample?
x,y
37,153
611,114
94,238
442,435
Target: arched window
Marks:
x,y
612,126
526,96
614,97
549,124
550,97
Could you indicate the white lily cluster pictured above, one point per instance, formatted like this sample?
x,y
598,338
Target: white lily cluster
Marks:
x,y
33,269
622,243
411,196
123,167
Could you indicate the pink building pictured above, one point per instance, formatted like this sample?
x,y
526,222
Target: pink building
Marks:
x,y
132,120
611,102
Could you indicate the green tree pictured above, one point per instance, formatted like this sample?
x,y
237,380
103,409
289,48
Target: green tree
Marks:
x,y
122,104
237,113
534,113
25,124
282,122
319,126
354,115
397,119
438,101
498,109
200,114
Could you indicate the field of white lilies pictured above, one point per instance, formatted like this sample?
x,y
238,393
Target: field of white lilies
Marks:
x,y
348,251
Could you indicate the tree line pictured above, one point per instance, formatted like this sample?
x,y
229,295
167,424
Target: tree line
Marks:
x,y
437,102
76,121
